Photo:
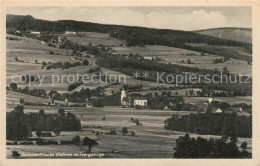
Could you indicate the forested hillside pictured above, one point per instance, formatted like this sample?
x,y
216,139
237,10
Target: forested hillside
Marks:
x,y
132,35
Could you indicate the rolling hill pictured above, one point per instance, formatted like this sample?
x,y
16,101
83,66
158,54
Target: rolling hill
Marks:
x,y
236,34
134,36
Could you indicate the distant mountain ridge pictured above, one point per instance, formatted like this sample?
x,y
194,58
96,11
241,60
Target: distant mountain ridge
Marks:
x,y
22,17
230,33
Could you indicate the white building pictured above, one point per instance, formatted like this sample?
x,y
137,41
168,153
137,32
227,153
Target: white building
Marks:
x,y
35,32
66,102
123,96
139,100
148,58
70,33
211,99
132,100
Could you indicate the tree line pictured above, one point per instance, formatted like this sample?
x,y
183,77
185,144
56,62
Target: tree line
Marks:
x,y
187,147
225,124
20,125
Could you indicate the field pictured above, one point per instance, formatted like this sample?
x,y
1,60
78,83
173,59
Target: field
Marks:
x,y
175,55
237,34
151,139
30,50
84,38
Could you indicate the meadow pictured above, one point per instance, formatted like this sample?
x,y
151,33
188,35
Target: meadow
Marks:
x,y
176,55
151,140
84,38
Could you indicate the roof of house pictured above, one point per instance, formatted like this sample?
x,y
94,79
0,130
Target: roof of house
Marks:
x,y
217,110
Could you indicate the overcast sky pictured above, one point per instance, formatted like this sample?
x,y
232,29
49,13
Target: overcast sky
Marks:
x,y
181,18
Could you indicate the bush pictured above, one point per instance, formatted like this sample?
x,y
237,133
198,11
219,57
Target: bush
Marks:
x,y
138,107
124,131
97,103
51,52
97,133
132,133
76,140
47,142
39,133
112,132
15,154
12,143
92,70
56,131
46,134
85,62
26,143
63,142
22,101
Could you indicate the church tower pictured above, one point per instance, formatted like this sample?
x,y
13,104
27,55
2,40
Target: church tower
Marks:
x,y
123,95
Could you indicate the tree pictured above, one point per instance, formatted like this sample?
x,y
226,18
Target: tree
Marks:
x,y
85,62
56,131
41,113
16,59
13,86
243,145
22,101
15,154
39,133
61,112
76,140
225,71
188,61
36,61
89,142
124,131
132,133
44,63
16,124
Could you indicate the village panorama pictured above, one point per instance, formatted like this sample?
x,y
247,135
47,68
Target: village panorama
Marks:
x,y
81,89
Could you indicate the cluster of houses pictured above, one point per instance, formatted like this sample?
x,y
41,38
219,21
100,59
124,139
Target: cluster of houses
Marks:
x,y
138,100
132,100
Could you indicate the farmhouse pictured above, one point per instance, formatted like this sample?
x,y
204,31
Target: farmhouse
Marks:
x,y
140,100
148,58
217,110
35,32
132,100
66,102
70,33
166,108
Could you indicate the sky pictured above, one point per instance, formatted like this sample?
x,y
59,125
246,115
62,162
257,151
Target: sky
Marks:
x,y
178,18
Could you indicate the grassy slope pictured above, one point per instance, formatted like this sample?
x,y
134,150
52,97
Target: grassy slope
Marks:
x,y
237,34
